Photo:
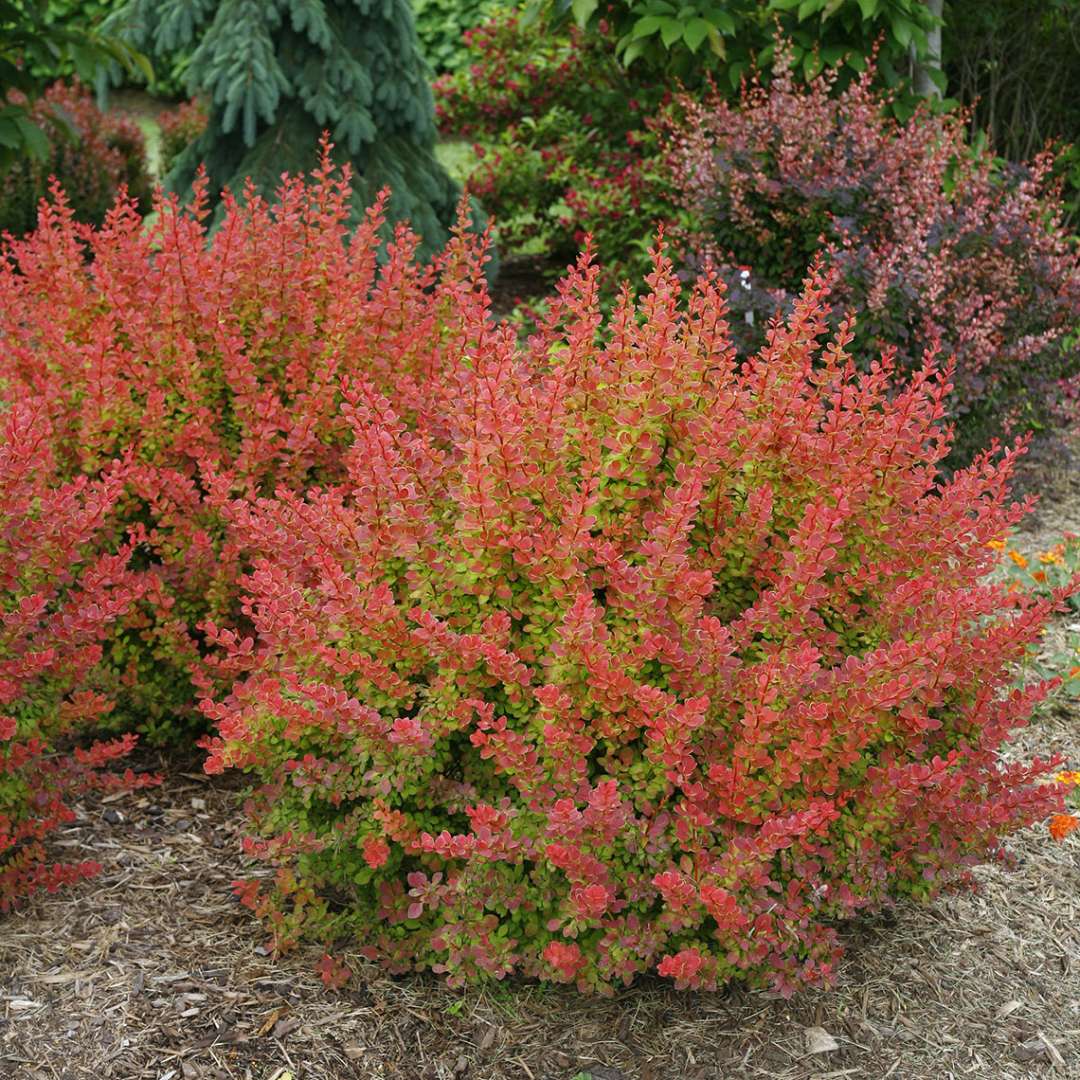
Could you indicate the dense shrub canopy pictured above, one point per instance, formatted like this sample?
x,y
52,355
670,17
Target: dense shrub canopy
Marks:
x,y
59,596
935,243
616,652
442,27
218,361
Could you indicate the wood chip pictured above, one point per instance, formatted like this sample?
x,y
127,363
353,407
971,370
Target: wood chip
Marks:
x,y
819,1041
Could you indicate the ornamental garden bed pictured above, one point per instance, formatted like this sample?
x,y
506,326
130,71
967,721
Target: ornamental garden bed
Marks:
x,y
151,971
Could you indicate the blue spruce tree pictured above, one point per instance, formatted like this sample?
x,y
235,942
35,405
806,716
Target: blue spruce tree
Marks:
x,y
277,73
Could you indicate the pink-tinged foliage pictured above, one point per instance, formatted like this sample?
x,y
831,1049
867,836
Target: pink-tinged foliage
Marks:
x,y
218,359
616,653
936,243
59,596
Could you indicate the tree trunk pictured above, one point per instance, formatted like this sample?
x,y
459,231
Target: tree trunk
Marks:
x,y
931,62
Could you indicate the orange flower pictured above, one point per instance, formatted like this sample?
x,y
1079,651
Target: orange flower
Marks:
x,y
1063,824
1068,777
997,545
1039,575
1075,671
1051,556
1018,559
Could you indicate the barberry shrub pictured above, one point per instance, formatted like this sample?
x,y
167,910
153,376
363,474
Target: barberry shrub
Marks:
x,y
616,653
59,595
90,154
936,243
218,360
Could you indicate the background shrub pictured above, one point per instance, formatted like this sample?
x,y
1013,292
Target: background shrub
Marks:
x,y
38,43
59,596
615,653
441,26
563,144
90,153
934,240
218,360
685,40
180,127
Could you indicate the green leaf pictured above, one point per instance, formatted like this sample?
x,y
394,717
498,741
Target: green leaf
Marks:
x,y
902,31
9,133
583,11
869,8
696,32
143,64
645,27
671,30
721,19
888,72
37,142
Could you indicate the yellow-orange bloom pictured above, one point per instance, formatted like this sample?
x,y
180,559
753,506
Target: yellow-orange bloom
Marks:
x,y
1068,777
1018,559
1063,824
1039,575
997,545
1053,556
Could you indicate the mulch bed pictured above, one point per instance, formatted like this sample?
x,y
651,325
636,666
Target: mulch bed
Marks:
x,y
153,970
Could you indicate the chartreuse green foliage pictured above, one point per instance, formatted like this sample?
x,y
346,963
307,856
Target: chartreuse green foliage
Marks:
x,y
276,73
617,651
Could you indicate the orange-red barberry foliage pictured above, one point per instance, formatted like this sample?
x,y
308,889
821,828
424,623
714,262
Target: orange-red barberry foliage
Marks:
x,y
217,360
617,652
60,593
